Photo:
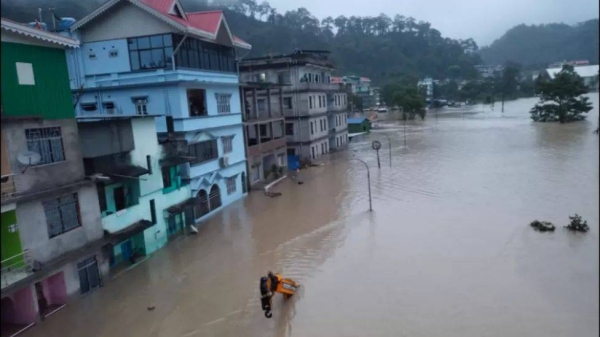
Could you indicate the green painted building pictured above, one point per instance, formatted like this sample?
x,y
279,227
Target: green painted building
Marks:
x,y
358,125
35,80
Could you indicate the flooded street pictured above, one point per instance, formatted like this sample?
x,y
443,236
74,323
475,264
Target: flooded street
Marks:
x,y
447,251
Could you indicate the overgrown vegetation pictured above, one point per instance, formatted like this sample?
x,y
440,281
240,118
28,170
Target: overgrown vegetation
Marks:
x,y
561,98
577,224
542,226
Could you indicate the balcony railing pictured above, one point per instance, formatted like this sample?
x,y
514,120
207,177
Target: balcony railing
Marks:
x,y
318,86
8,187
16,268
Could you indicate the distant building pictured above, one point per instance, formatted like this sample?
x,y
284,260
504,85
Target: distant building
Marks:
x,y
361,87
264,130
574,63
427,83
315,109
357,125
589,74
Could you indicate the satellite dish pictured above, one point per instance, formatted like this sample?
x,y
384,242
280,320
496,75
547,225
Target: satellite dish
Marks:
x,y
29,158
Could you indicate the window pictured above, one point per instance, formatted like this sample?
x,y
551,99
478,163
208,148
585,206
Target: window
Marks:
x,y
227,144
47,142
312,152
102,198
109,107
231,185
141,106
89,277
311,128
153,211
322,148
319,101
198,54
149,163
89,106
25,73
223,105
289,129
261,104
287,102
166,177
150,52
62,214
203,151
321,124
197,102
284,77
310,99
325,124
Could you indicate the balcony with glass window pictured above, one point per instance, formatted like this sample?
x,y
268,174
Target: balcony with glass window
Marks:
x,y
152,60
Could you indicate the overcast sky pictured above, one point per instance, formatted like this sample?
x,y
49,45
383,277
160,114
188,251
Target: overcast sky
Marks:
x,y
483,20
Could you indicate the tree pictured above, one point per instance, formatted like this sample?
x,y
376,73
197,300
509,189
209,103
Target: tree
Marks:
x,y
507,83
561,98
356,102
410,100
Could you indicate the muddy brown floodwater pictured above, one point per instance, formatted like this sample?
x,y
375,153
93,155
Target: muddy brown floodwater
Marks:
x,y
447,250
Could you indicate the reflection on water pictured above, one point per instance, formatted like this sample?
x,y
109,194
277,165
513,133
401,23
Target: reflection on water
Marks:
x,y
446,252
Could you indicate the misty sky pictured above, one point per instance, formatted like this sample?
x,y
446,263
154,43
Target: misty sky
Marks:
x,y
483,20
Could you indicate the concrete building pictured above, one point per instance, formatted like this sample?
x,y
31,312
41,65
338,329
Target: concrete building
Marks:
x,y
264,131
137,192
179,68
315,110
51,229
427,84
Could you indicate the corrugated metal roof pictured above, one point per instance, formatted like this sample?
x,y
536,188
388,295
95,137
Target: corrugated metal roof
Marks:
x,y
204,24
43,35
583,71
356,120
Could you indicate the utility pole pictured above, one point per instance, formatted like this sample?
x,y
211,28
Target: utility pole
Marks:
x,y
368,181
390,147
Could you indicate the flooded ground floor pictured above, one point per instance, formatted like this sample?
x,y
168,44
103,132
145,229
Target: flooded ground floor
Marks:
x,y
447,250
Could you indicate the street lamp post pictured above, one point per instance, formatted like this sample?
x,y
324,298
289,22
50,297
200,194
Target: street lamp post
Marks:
x,y
390,147
368,180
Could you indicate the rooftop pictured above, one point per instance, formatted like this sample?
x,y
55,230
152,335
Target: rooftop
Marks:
x,y
15,27
205,25
356,120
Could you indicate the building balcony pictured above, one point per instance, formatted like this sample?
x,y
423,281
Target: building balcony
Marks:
x,y
16,268
9,191
206,122
159,76
124,218
266,146
307,86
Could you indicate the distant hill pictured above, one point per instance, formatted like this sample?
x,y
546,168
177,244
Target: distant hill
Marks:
x,y
543,44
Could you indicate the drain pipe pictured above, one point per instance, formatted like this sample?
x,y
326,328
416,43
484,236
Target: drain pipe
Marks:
x,y
177,49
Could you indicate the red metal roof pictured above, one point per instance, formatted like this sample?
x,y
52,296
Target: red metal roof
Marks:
x,y
160,5
208,21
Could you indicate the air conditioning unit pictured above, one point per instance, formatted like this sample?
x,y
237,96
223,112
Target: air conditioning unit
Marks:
x,y
223,161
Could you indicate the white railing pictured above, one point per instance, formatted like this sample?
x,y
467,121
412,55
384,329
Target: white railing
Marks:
x,y
16,267
8,187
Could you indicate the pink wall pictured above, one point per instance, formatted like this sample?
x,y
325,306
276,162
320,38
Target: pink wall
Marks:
x,y
19,308
55,289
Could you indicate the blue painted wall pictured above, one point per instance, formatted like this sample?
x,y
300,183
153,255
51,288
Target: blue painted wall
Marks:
x,y
98,59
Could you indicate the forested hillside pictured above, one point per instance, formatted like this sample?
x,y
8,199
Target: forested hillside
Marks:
x,y
378,47
543,44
